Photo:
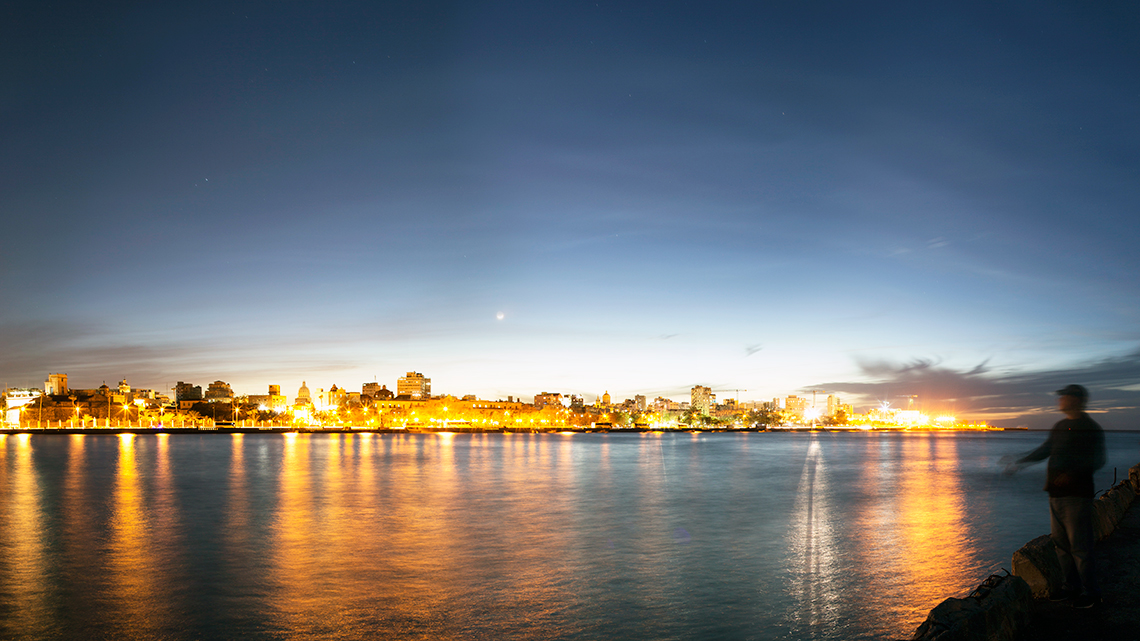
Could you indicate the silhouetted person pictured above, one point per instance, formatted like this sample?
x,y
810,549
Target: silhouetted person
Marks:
x,y
1075,449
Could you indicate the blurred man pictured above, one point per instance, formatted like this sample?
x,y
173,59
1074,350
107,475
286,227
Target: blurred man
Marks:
x,y
1075,449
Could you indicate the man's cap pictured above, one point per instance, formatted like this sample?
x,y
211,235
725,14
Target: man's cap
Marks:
x,y
1073,390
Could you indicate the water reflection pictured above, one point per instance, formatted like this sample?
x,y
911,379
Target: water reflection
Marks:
x,y
913,540
815,567
295,574
129,553
822,536
24,542
931,523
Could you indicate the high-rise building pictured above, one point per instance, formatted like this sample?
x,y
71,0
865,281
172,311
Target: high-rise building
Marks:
x,y
702,399
414,385
56,384
796,406
186,392
639,402
833,405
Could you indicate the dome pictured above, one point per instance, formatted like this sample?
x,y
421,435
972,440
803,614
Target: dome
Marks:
x,y
303,392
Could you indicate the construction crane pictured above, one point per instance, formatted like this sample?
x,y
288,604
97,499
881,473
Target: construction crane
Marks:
x,y
738,391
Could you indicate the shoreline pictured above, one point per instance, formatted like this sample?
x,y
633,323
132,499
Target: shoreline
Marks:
x,y
227,429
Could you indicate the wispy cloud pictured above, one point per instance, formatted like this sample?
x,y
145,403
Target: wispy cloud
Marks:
x,y
1004,398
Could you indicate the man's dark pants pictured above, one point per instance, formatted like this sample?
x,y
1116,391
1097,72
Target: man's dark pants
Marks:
x,y
1071,528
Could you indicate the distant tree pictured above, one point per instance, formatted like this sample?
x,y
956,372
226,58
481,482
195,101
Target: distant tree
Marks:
x,y
762,418
838,418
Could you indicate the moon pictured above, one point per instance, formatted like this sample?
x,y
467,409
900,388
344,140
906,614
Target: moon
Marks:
x,y
500,316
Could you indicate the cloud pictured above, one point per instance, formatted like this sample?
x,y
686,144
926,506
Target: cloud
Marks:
x,y
1006,399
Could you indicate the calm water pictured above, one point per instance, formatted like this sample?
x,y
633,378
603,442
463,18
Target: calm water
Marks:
x,y
588,536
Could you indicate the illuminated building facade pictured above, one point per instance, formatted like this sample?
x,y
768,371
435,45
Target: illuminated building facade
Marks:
x,y
303,395
56,385
187,392
547,398
219,391
702,399
414,385
795,406
833,405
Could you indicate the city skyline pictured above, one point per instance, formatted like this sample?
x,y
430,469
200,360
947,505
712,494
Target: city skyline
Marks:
x,y
873,201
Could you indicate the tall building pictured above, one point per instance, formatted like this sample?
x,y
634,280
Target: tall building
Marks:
x,y
833,405
55,385
186,392
702,399
639,402
796,406
414,385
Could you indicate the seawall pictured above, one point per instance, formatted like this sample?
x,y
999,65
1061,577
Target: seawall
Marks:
x,y
999,608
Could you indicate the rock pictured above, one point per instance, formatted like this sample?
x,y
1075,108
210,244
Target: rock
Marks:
x,y
998,610
1036,562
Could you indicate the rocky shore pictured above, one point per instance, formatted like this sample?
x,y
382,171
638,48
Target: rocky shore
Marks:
x,y
1016,606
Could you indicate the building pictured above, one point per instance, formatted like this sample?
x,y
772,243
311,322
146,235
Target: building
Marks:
x,y
702,399
795,406
833,405
414,386
56,385
639,402
277,401
332,398
219,391
187,392
377,391
303,397
547,398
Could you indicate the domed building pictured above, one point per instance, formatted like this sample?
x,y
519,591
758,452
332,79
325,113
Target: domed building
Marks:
x,y
303,396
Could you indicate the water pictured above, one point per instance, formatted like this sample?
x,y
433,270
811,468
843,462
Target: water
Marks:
x,y
492,536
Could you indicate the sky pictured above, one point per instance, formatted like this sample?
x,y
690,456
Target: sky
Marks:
x,y
873,200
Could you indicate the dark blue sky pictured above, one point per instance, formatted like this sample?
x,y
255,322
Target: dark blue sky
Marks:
x,y
873,200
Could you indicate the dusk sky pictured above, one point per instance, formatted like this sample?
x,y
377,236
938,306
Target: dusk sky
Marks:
x,y
875,200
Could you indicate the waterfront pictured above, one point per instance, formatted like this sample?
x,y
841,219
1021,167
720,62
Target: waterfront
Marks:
x,y
649,535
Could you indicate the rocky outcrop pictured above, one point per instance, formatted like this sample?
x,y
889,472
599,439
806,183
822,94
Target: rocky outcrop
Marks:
x,y
997,610
1036,561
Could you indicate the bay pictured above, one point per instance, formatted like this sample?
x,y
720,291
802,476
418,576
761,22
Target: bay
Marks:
x,y
519,536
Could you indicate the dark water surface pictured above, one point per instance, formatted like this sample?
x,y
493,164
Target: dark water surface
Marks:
x,y
524,536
